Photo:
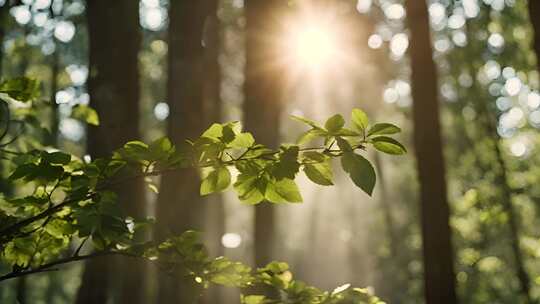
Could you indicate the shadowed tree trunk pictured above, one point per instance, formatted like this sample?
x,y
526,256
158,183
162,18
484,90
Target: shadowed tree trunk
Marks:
x,y
262,106
55,70
55,116
4,14
5,186
21,291
215,211
438,260
113,85
534,13
180,206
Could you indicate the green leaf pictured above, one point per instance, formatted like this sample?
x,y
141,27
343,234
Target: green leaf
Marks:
x,y
334,123
214,132
229,133
23,171
227,273
57,158
317,168
85,114
43,171
134,151
253,299
343,144
282,191
160,149
20,89
276,267
360,171
287,165
360,119
306,121
310,135
314,156
347,132
243,140
319,173
216,181
249,191
388,145
383,128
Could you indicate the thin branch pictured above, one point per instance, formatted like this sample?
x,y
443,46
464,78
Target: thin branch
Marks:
x,y
12,231
71,259
78,250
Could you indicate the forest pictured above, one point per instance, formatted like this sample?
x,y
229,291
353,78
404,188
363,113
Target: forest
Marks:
x,y
269,151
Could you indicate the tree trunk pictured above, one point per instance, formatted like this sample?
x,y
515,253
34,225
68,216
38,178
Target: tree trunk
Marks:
x,y
113,85
215,212
4,13
55,116
5,186
262,106
21,290
439,281
180,206
534,13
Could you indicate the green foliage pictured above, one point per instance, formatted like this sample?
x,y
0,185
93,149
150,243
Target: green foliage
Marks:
x,y
217,180
72,201
20,89
360,170
85,114
360,120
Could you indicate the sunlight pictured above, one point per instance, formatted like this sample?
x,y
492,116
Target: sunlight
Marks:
x,y
313,47
311,42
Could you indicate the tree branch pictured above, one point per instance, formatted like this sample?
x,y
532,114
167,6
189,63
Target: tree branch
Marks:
x,y
71,259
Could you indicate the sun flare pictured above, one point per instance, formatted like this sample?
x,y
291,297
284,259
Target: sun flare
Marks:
x,y
313,47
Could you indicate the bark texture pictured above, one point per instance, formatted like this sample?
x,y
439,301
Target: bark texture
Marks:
x,y
534,13
263,98
180,206
113,85
438,260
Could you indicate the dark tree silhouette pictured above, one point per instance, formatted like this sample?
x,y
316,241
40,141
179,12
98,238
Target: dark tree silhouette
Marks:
x,y
180,206
262,106
534,13
113,85
439,281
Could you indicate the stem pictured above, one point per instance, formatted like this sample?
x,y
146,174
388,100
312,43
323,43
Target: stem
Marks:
x,y
48,266
12,231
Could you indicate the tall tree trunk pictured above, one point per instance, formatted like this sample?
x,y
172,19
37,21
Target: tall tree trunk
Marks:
x,y
534,13
439,281
390,285
4,13
21,290
262,106
215,212
5,186
180,206
55,116
113,85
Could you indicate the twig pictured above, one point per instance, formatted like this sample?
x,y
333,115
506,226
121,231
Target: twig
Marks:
x,y
71,259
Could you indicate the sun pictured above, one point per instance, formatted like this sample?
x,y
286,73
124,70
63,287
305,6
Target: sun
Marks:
x,y
310,44
313,46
